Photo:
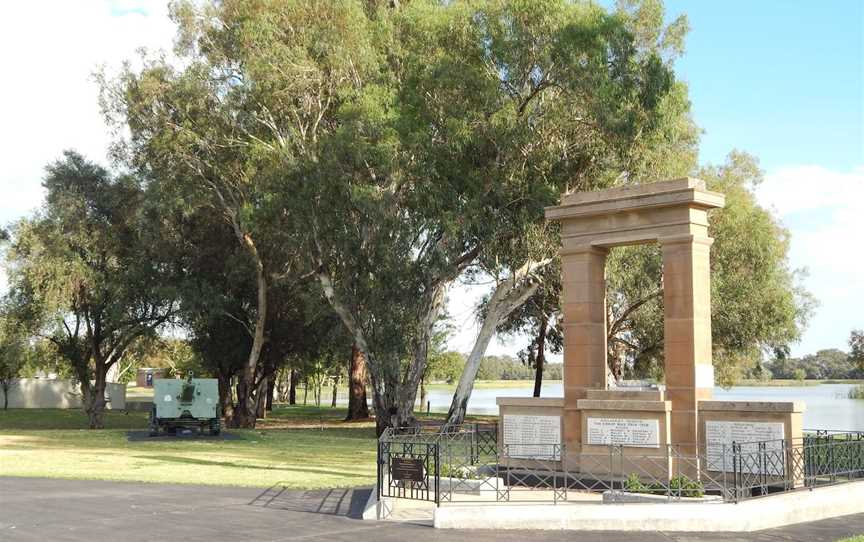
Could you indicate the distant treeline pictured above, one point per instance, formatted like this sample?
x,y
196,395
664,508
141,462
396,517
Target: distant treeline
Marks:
x,y
824,364
508,368
448,367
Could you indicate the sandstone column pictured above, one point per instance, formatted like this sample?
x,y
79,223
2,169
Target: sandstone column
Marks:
x,y
583,305
687,331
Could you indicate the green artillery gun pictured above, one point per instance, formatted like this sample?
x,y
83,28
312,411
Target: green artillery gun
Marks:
x,y
193,402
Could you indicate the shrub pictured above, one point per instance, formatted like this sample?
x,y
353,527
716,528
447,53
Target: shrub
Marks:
x,y
679,485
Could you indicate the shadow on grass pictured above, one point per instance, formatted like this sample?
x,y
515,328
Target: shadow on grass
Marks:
x,y
29,419
236,465
333,502
144,436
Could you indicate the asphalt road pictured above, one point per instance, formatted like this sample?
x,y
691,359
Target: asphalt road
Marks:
x,y
61,510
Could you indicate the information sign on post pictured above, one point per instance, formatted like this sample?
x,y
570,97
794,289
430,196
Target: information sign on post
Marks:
x,y
407,469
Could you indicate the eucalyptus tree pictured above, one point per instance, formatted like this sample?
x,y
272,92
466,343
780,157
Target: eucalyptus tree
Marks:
x,y
664,146
218,305
394,145
856,348
13,354
223,127
487,112
86,272
580,93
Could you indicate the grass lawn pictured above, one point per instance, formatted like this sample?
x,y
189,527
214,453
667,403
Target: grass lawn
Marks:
x,y
298,446
139,392
301,447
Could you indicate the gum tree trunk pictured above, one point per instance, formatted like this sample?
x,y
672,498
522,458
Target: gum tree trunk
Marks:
x,y
225,396
261,398
509,294
540,360
6,385
271,388
335,388
358,409
292,387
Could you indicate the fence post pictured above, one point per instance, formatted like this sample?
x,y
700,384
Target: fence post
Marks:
x,y
612,469
563,455
506,448
723,462
763,467
379,469
437,474
475,453
736,463
670,469
858,456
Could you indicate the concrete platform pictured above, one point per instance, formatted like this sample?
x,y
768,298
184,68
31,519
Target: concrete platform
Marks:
x,y
747,516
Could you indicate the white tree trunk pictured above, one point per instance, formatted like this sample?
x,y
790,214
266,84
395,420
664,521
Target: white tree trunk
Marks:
x,y
509,295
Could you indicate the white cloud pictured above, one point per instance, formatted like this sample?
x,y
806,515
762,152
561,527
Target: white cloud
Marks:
x,y
797,189
48,101
824,211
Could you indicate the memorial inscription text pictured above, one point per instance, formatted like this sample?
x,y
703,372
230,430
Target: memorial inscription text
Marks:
x,y
719,436
532,436
633,432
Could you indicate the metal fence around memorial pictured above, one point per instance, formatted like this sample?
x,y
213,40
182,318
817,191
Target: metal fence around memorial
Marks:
x,y
818,459
407,469
467,463
729,472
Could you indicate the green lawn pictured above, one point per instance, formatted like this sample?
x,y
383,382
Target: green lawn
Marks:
x,y
300,447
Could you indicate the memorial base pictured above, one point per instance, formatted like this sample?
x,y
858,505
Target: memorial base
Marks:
x,y
637,423
635,420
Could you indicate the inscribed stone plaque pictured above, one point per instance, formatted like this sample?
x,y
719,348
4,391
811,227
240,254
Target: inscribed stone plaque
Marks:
x,y
633,432
719,436
532,437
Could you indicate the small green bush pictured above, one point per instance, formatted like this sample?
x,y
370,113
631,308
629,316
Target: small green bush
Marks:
x,y
679,485
462,473
634,484
857,392
686,487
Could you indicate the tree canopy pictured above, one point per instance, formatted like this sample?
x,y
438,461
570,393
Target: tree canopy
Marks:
x,y
86,272
305,176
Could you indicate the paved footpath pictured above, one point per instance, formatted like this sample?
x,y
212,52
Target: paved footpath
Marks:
x,y
40,509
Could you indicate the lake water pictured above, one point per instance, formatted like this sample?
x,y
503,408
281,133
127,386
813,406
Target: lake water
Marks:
x,y
828,405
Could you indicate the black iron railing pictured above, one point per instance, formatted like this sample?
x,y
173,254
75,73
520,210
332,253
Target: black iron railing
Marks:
x,y
461,462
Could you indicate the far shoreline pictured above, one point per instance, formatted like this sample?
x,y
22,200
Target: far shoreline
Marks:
x,y
778,383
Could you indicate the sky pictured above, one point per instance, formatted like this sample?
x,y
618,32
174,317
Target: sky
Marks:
x,y
782,80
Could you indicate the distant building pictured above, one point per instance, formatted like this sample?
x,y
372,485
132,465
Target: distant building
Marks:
x,y
146,376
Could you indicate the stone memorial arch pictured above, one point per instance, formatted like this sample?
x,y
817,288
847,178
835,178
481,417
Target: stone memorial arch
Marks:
x,y
643,421
675,215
